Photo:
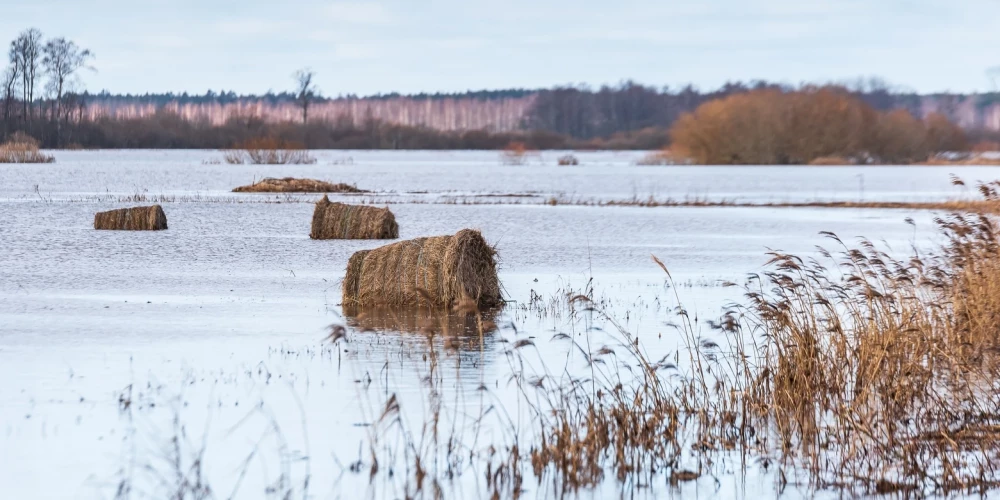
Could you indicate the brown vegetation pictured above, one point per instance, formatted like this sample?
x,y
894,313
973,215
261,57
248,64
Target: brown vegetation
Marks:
x,y
293,185
442,271
831,161
869,375
516,153
767,127
352,222
22,148
269,151
963,160
149,218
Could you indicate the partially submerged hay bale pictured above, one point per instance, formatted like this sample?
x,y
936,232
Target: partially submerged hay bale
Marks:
x,y
132,219
443,271
293,185
333,221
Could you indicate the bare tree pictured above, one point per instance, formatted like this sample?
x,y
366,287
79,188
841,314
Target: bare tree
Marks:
x,y
994,75
305,90
25,53
62,59
9,80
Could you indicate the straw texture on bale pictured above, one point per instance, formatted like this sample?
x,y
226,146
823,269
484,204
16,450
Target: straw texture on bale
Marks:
x,y
339,221
293,185
132,219
442,271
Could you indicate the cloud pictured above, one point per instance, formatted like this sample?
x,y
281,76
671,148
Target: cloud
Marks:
x,y
352,12
250,27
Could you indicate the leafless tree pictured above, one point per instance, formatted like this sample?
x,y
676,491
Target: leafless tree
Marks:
x,y
62,59
26,53
305,90
9,80
994,75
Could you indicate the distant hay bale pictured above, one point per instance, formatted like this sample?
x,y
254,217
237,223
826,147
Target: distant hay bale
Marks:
x,y
293,185
442,271
568,160
132,219
340,221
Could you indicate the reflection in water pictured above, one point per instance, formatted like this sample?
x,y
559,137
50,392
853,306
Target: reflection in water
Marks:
x,y
464,330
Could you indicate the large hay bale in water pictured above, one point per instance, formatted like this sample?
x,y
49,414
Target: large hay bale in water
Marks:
x,y
340,221
132,219
443,271
293,185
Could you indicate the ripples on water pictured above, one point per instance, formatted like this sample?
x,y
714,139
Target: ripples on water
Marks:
x,y
219,320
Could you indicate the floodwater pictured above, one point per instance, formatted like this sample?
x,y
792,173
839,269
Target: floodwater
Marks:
x,y
129,360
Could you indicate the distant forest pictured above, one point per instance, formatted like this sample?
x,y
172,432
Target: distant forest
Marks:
x,y
43,96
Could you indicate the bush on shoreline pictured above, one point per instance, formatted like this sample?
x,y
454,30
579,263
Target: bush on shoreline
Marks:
x,y
774,127
22,148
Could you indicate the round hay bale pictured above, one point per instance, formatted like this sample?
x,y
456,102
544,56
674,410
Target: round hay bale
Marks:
x,y
340,221
443,271
132,219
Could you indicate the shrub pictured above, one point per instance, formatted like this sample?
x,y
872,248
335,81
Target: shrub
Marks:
x,y
269,151
22,148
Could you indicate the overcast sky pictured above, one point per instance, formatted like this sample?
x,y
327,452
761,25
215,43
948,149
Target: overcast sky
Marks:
x,y
365,47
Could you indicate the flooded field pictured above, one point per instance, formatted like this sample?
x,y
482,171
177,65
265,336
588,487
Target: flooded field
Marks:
x,y
197,359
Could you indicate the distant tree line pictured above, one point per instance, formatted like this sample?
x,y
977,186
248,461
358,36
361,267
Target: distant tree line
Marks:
x,y
580,112
41,95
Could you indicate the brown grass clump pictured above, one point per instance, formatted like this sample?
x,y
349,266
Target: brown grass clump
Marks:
x,y
149,218
833,161
516,153
293,185
269,151
22,148
966,160
442,271
868,375
332,221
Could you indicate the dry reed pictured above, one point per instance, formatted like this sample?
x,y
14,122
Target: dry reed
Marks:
x,y
352,222
443,271
149,218
293,185
873,375
22,148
